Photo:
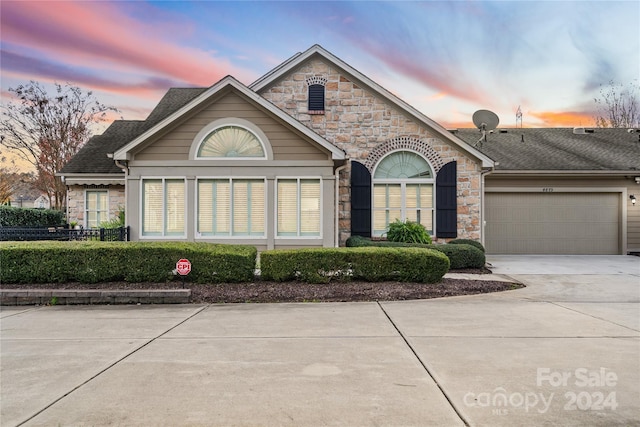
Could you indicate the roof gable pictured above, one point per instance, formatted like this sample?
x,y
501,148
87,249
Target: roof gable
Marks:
x,y
295,61
227,83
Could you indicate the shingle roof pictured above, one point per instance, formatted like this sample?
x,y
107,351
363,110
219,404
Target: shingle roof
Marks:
x,y
92,157
560,149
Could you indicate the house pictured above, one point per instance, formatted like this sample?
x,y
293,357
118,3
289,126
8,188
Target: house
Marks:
x,y
309,154
42,202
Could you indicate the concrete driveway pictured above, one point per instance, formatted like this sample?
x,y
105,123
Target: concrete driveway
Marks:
x,y
565,350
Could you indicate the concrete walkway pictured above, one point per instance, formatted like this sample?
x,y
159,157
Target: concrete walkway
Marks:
x,y
565,350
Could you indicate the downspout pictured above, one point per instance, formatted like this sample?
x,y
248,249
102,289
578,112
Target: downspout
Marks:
x,y
337,214
125,168
483,199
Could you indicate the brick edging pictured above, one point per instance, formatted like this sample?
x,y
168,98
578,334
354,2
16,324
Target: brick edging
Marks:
x,y
92,296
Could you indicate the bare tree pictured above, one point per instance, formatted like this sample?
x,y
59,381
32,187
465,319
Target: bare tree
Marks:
x,y
618,107
48,130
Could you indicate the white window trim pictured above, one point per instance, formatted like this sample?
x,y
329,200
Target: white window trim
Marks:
x,y
230,236
86,210
403,183
164,236
275,207
230,121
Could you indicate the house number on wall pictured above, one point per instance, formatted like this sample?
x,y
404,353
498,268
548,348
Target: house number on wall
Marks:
x,y
547,190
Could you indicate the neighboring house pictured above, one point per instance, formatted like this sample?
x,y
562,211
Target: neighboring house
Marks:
x,y
561,191
309,154
42,202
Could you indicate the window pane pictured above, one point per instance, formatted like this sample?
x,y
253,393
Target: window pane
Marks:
x,y
152,207
92,201
240,207
222,206
257,208
231,141
175,206
205,207
287,207
394,196
426,195
310,207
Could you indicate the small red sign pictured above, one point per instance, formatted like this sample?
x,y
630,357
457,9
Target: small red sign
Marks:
x,y
183,267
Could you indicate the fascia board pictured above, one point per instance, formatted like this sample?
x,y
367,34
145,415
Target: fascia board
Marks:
x,y
529,172
123,153
298,59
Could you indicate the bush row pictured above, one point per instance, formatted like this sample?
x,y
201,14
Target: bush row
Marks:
x,y
321,265
92,262
26,217
460,254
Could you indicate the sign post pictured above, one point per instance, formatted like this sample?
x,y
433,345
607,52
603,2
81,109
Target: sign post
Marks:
x,y
183,267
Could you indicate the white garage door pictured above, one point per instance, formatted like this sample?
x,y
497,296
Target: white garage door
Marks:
x,y
552,223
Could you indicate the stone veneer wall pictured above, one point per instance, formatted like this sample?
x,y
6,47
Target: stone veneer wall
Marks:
x,y
367,128
76,199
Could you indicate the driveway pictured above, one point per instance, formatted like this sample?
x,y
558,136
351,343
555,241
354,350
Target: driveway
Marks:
x,y
565,350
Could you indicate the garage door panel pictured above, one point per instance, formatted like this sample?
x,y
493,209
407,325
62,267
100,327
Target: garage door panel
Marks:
x,y
558,223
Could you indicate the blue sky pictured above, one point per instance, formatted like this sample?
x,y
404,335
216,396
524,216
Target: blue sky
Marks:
x,y
446,58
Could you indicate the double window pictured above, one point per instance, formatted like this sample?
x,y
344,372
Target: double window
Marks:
x,y
96,208
231,207
402,189
299,207
163,207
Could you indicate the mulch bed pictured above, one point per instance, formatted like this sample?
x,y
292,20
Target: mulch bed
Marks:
x,y
263,292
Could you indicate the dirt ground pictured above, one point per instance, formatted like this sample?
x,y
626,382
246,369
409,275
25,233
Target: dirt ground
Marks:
x,y
262,291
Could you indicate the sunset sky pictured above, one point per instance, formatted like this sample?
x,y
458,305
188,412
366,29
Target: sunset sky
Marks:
x,y
446,58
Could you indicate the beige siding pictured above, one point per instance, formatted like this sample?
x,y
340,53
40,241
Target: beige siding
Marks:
x,y
285,142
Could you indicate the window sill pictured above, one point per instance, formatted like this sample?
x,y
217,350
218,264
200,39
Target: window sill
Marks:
x,y
316,112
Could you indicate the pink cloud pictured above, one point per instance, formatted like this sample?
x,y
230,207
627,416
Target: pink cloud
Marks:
x,y
100,35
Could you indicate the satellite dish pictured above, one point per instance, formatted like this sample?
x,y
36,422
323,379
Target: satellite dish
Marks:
x,y
486,121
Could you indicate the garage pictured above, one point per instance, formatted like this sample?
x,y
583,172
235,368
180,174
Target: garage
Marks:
x,y
552,223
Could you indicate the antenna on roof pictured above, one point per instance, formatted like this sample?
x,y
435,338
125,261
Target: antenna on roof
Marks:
x,y
519,117
486,121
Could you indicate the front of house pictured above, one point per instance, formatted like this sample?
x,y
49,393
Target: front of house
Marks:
x,y
308,155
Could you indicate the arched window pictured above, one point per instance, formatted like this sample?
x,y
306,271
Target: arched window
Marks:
x,y
231,142
402,189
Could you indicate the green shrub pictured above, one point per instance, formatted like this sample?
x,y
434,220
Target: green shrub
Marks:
x,y
463,256
321,265
91,262
474,243
460,255
27,217
408,232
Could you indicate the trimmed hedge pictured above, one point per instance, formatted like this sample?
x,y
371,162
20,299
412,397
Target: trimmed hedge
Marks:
x,y
321,265
27,217
92,262
460,255
474,243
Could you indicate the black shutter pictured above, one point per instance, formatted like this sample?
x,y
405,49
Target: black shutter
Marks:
x,y
360,200
447,201
316,98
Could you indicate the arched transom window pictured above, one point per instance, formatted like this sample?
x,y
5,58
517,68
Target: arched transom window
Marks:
x,y
231,142
402,189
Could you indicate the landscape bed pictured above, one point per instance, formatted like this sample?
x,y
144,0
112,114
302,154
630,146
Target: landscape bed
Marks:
x,y
270,292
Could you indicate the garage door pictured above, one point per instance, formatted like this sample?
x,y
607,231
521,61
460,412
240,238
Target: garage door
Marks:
x,y
552,223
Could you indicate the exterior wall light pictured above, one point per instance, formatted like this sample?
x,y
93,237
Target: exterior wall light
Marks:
x,y
633,199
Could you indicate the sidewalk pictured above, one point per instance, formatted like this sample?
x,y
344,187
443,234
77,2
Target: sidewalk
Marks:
x,y
442,362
